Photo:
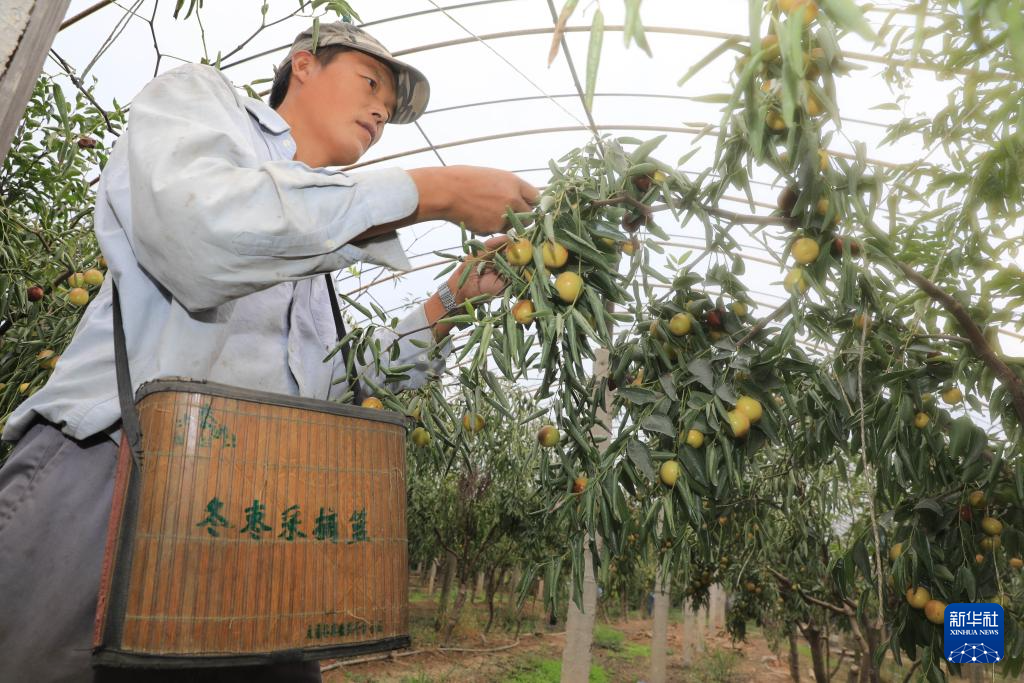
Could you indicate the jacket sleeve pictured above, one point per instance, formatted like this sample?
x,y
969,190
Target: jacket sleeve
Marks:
x,y
212,222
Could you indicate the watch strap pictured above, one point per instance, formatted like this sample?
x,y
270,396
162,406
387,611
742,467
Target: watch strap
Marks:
x,y
447,298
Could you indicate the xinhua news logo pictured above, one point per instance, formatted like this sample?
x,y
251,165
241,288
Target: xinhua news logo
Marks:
x,y
974,633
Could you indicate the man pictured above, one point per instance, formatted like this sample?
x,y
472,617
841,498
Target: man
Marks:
x,y
216,213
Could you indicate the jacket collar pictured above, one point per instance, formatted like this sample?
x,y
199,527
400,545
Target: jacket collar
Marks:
x,y
269,119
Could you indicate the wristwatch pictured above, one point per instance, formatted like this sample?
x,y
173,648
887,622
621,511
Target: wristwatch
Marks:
x,y
447,298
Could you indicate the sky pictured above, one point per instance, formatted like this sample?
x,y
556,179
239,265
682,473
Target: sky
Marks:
x,y
467,78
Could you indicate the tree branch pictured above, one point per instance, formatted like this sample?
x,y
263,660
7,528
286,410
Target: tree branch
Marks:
x,y
82,89
810,598
747,218
84,13
1006,376
644,209
944,337
913,668
760,325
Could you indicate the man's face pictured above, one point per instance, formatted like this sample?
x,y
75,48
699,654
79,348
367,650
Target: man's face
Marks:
x,y
344,103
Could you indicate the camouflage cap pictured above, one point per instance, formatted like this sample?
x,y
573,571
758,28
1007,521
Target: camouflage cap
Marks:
x,y
412,91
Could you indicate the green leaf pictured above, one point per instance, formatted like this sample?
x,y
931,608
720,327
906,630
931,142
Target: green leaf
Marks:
x,y
640,456
644,150
594,58
847,15
965,579
668,386
929,505
355,304
658,423
634,28
1015,34
701,369
457,319
637,395
727,44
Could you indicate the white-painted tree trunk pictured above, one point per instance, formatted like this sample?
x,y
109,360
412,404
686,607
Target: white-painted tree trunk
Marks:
x,y
433,576
715,619
579,625
479,589
579,630
691,633
659,634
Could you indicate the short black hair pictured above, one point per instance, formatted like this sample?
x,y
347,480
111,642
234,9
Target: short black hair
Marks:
x,y
283,77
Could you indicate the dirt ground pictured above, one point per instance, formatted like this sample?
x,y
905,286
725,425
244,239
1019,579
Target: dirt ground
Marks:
x,y
621,653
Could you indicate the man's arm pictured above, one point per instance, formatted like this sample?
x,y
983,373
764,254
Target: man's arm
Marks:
x,y
213,223
471,195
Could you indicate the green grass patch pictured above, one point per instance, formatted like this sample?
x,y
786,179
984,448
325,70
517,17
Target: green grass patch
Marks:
x,y
537,670
717,666
608,638
633,651
421,677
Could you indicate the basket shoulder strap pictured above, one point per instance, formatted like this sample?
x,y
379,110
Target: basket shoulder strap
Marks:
x,y
339,325
130,425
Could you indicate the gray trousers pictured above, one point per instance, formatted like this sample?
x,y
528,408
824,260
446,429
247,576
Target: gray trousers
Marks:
x,y
55,495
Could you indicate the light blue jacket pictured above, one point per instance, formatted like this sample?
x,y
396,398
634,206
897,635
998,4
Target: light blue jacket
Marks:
x,y
216,238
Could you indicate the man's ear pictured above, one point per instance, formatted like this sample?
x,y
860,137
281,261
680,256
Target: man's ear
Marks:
x,y
303,65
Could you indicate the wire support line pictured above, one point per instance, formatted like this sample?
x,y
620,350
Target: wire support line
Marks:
x,y
425,12
660,96
666,30
378,22
510,64
569,129
440,160
697,33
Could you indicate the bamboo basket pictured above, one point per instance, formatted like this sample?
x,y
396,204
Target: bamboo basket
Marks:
x,y
261,528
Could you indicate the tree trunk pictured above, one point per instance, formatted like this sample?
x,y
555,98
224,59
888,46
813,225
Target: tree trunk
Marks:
x,y
867,639
689,633
513,585
540,592
433,575
519,620
794,657
870,672
579,627
623,606
715,616
492,588
447,577
453,618
817,643
579,632
975,673
659,634
478,587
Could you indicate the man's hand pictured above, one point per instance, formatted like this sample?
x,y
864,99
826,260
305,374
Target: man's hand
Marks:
x,y
479,281
472,195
